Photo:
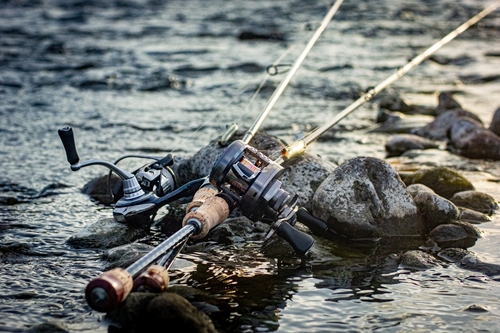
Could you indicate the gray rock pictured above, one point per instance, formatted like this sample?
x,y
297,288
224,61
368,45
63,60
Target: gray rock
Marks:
x,y
125,255
472,140
399,144
100,188
495,122
475,200
415,189
435,210
438,129
365,198
458,234
472,216
106,233
303,176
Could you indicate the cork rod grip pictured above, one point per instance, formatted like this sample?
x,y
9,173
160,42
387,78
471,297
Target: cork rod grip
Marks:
x,y
210,214
108,290
200,196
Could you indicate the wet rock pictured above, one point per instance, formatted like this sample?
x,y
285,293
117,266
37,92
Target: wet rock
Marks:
x,y
468,260
399,144
438,129
472,216
237,229
250,35
415,189
458,61
495,122
443,181
100,188
475,200
365,198
393,102
303,175
417,259
106,233
470,139
125,255
435,210
446,102
396,122
48,327
146,312
458,234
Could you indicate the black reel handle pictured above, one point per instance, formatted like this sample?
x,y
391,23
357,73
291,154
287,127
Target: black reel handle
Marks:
x,y
300,241
317,226
68,140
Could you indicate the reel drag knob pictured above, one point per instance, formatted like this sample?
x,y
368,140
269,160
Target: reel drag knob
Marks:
x,y
154,279
106,292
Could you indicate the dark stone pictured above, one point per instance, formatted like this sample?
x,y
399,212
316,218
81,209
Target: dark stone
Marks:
x,y
475,200
446,102
444,181
472,140
495,122
435,210
100,188
438,129
399,144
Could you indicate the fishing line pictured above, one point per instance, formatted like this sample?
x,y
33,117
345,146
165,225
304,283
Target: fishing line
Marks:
x,y
299,145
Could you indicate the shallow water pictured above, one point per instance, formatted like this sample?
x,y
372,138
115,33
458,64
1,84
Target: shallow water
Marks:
x,y
144,76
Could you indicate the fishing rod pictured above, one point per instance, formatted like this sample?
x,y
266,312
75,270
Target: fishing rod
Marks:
x,y
210,206
281,87
299,146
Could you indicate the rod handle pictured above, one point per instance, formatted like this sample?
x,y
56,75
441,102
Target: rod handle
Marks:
x,y
210,214
68,140
300,241
317,226
154,279
200,197
106,292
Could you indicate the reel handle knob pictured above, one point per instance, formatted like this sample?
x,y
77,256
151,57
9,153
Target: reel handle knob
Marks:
x,y
210,214
300,241
154,279
317,226
68,140
106,292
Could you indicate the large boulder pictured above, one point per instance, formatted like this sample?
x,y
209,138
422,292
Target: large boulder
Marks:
x,y
365,198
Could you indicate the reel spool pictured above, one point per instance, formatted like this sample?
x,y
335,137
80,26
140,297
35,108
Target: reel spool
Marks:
x,y
250,179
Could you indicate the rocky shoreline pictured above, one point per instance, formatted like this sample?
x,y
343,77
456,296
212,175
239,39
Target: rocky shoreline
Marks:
x,y
408,211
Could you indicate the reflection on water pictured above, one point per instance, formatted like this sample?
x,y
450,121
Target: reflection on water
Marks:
x,y
142,76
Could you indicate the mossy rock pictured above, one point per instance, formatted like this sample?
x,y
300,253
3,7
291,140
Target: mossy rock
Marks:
x,y
443,181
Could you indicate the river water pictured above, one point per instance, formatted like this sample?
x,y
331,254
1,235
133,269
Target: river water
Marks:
x,y
150,77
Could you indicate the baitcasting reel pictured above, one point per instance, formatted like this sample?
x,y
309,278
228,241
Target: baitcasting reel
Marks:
x,y
250,180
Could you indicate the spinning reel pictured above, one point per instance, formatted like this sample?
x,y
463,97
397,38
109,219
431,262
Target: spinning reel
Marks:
x,y
250,180
141,193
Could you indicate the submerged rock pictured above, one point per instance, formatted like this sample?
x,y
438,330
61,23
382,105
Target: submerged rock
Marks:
x,y
468,260
417,259
365,198
106,233
444,181
475,200
471,216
